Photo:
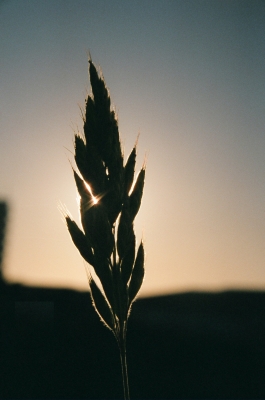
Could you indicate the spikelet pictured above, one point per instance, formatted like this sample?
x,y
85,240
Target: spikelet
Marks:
x,y
103,137
83,191
97,228
136,195
128,261
125,232
100,304
129,171
90,124
104,273
90,166
80,240
137,274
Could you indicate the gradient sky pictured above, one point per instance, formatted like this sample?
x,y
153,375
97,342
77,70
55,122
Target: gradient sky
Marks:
x,y
189,76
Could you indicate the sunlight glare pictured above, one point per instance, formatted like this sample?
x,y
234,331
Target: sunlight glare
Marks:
x,y
95,200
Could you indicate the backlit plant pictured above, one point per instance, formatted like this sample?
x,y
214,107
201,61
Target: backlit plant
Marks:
x,y
110,198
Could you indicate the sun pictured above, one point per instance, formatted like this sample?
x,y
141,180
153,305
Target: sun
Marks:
x,y
95,200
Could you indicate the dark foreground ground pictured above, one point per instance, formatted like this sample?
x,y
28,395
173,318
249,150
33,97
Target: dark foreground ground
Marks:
x,y
187,346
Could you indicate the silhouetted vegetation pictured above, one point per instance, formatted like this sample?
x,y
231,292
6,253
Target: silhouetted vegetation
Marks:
x,y
110,200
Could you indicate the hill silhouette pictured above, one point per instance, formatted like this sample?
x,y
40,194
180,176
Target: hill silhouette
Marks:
x,y
188,346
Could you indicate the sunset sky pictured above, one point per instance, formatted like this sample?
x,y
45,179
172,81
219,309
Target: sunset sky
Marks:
x,y
189,76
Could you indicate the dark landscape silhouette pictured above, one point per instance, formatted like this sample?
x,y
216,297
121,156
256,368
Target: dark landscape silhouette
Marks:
x,y
188,346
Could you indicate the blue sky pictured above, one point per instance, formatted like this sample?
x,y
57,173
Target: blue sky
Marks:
x,y
189,77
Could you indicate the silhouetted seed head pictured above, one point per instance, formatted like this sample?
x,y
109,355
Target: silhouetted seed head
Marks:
x,y
137,274
99,159
80,240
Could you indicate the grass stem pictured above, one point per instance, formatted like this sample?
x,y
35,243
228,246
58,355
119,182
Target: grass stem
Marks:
x,y
122,347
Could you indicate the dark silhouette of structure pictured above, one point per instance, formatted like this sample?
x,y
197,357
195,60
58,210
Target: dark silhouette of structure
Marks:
x,y
3,217
187,346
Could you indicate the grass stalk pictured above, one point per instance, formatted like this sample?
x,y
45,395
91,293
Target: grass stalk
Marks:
x,y
105,177
123,357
